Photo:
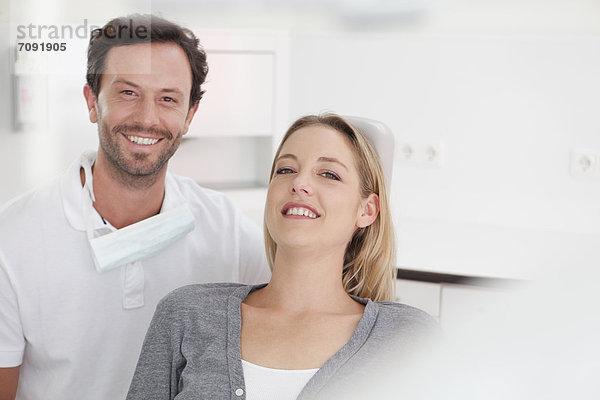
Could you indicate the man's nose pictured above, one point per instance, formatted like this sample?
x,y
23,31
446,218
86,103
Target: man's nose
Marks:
x,y
147,113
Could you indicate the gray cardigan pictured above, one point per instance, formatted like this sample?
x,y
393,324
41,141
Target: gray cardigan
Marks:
x,y
192,348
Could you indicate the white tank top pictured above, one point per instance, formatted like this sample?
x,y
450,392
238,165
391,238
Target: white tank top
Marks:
x,y
264,383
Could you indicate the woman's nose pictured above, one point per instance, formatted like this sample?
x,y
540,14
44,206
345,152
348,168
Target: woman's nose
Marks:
x,y
301,185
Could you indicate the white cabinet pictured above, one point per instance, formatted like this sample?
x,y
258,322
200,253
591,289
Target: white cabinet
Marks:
x,y
239,98
456,306
243,113
462,305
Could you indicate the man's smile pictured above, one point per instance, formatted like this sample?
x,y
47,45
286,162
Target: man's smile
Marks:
x,y
141,140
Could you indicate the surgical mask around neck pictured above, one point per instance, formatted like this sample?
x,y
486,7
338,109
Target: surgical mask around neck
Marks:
x,y
135,242
141,240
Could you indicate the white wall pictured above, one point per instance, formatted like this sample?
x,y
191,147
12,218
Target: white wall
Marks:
x,y
508,110
509,88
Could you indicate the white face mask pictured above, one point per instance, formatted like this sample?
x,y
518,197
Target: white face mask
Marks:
x,y
135,242
141,240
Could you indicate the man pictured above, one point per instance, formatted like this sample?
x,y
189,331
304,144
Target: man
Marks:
x,y
83,262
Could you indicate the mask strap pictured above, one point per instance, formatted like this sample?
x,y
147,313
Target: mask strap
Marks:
x,y
86,209
89,178
88,199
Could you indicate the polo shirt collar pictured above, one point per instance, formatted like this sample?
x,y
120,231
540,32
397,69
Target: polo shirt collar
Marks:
x,y
78,199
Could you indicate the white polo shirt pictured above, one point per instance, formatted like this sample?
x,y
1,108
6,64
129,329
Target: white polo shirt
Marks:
x,y
78,332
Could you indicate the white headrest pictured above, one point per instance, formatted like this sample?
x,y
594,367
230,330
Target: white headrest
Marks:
x,y
381,137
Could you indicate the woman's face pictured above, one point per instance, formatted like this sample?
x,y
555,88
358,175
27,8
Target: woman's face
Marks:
x,y
314,200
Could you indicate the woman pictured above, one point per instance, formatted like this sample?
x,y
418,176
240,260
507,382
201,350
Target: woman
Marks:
x,y
324,315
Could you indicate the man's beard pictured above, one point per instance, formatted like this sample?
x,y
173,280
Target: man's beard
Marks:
x,y
135,169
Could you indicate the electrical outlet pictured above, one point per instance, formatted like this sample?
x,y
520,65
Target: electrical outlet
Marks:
x,y
420,154
584,164
406,152
433,154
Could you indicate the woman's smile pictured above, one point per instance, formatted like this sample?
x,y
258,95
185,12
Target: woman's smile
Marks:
x,y
299,210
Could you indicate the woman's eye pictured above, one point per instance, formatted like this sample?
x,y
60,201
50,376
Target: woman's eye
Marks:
x,y
330,175
282,171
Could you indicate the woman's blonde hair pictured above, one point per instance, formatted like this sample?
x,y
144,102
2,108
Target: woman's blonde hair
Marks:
x,y
370,255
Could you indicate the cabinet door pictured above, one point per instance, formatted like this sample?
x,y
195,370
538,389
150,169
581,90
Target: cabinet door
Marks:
x,y
423,295
239,98
466,307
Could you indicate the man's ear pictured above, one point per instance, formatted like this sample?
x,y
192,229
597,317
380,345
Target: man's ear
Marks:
x,y
369,211
188,119
92,103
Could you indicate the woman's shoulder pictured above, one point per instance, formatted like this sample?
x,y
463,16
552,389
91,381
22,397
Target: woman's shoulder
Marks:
x,y
200,296
402,316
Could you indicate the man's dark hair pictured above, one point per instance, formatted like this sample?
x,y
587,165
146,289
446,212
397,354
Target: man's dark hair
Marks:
x,y
137,28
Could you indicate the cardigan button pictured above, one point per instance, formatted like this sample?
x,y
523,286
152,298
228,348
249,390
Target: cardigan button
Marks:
x,y
239,392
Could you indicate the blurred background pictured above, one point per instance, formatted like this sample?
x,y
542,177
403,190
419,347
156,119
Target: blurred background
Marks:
x,y
496,178
493,105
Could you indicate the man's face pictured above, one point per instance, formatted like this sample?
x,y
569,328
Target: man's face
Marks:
x,y
142,108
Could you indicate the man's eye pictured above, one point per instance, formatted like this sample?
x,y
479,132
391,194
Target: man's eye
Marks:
x,y
285,170
169,100
128,92
330,175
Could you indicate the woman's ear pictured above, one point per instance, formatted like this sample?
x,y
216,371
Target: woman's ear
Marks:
x,y
369,211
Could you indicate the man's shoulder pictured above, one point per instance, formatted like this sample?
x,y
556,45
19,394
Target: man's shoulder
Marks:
x,y
199,195
45,201
30,206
